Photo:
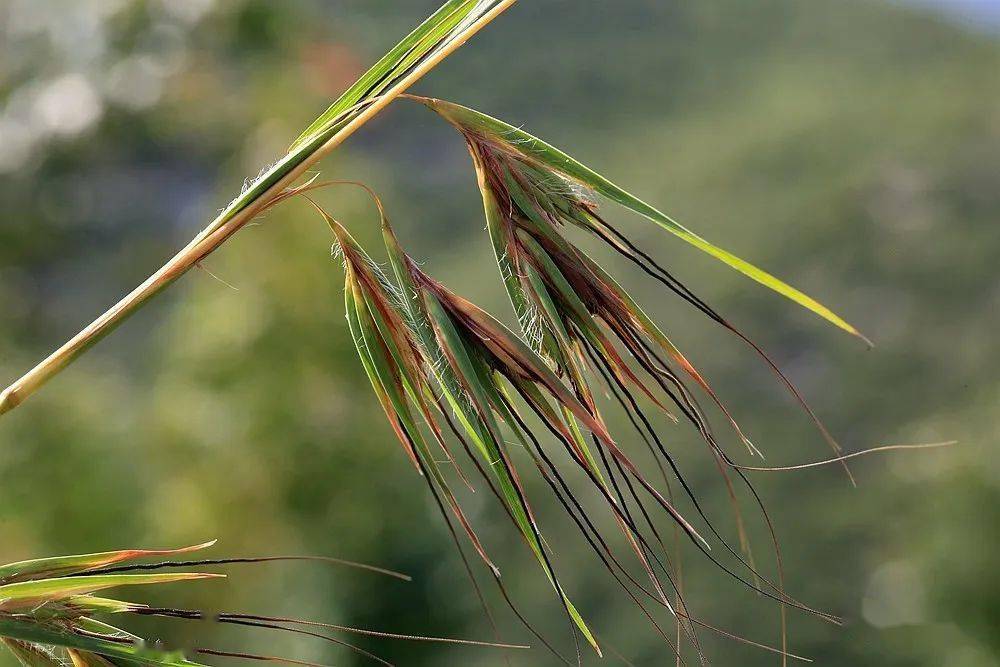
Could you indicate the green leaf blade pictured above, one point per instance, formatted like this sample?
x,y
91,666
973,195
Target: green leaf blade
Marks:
x,y
13,595
412,47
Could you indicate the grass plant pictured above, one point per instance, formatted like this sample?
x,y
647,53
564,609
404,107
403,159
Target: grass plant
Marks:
x,y
449,375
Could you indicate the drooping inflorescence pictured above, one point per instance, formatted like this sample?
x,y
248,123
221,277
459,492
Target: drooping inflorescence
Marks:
x,y
581,330
51,603
51,611
531,191
580,318
430,353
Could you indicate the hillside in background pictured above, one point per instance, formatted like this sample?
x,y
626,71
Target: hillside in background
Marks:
x,y
851,147
980,14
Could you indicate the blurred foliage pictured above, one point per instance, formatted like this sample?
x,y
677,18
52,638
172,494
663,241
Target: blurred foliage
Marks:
x,y
852,147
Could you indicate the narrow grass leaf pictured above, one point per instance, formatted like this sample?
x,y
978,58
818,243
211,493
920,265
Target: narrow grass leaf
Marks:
x,y
63,565
47,590
417,44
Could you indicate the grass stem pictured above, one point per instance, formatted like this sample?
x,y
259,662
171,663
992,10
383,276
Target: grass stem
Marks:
x,y
223,227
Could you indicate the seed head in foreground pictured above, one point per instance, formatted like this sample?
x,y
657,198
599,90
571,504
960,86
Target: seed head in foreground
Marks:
x,y
429,352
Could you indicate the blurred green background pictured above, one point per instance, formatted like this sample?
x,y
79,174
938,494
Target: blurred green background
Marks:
x,y
851,147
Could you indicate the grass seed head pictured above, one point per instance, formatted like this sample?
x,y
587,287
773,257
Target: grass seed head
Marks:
x,y
50,609
584,323
428,350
